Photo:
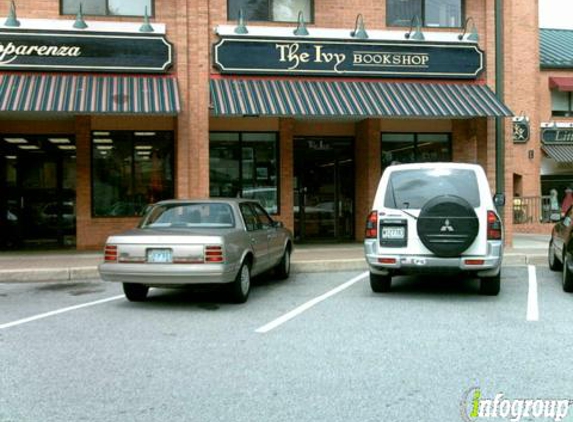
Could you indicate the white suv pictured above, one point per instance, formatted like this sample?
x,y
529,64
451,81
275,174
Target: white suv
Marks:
x,y
432,218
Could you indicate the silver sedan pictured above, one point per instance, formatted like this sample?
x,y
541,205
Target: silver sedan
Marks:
x,y
182,242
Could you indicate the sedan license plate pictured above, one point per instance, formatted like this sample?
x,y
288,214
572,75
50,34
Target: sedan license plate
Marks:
x,y
160,256
393,232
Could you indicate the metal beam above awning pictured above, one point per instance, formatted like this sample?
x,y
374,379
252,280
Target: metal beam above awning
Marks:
x,y
562,153
88,94
306,98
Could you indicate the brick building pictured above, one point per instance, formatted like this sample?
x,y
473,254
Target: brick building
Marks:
x,y
300,110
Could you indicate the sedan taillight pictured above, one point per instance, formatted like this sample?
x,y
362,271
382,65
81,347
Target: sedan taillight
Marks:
x,y
110,253
214,254
493,226
372,225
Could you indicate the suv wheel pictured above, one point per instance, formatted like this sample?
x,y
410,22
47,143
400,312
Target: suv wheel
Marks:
x,y
447,225
490,286
380,283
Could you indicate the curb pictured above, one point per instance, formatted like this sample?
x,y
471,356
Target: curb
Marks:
x,y
312,266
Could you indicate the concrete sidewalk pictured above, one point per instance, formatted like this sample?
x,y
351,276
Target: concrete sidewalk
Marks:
x,y
16,267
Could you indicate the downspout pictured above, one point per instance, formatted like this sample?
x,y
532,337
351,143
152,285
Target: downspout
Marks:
x,y
499,121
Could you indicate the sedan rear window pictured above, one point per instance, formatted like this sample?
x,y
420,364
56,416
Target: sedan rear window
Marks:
x,y
206,215
411,189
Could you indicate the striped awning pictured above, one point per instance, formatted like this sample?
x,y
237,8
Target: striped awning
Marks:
x,y
116,94
276,97
562,153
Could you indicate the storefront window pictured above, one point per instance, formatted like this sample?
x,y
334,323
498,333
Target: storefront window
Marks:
x,y
245,165
108,7
561,103
436,13
415,148
129,171
270,10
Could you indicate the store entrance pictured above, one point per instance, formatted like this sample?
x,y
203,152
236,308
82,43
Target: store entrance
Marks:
x,y
37,191
323,189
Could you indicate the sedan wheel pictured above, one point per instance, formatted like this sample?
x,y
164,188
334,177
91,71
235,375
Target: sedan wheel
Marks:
x,y
554,263
240,288
135,292
567,279
282,270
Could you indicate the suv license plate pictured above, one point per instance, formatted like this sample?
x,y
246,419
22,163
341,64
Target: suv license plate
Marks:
x,y
161,256
393,232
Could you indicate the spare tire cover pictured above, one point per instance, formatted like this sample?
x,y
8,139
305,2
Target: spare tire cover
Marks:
x,y
447,225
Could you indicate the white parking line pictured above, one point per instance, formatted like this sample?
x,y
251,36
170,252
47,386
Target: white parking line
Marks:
x,y
532,302
306,306
58,311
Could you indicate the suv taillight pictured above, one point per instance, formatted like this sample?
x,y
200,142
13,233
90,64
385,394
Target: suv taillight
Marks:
x,y
372,225
214,254
110,253
493,226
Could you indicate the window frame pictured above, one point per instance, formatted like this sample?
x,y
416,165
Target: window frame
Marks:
x,y
416,136
569,112
132,140
423,17
150,13
307,20
240,148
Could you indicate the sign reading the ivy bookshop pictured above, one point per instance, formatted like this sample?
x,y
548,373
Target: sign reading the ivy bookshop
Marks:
x,y
96,52
557,135
408,59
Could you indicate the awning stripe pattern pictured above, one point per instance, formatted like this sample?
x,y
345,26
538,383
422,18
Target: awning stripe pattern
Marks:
x,y
89,94
278,97
562,153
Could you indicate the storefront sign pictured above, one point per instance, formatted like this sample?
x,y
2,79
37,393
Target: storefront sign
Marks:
x,y
67,51
345,58
521,130
557,135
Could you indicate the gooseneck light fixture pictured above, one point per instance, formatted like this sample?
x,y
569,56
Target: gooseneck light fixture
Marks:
x,y
241,26
12,20
359,31
146,27
473,35
417,35
80,23
301,26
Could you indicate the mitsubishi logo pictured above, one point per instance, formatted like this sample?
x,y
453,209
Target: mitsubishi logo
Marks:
x,y
447,227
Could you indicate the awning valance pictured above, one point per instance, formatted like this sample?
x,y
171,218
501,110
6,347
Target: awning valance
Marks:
x,y
115,94
276,97
559,152
561,83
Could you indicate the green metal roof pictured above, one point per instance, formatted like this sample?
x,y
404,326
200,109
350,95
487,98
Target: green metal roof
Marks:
x,y
556,48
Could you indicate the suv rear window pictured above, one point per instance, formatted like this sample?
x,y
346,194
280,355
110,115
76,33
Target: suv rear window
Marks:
x,y
413,188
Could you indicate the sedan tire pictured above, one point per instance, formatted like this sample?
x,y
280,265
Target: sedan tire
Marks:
x,y
282,270
567,279
554,263
380,283
135,292
240,288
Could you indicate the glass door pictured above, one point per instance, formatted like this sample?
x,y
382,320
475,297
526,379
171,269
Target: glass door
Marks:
x,y
324,189
38,192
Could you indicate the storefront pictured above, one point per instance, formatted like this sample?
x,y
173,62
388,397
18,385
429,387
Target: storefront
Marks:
x,y
332,111
87,145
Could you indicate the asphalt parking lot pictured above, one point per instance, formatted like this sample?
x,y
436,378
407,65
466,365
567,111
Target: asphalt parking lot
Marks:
x,y
317,347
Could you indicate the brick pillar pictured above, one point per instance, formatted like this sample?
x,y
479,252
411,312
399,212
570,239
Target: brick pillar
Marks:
x,y
193,78
286,128
368,170
83,182
464,142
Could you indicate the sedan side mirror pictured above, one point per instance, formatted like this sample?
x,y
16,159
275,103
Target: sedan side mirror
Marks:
x,y
499,199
